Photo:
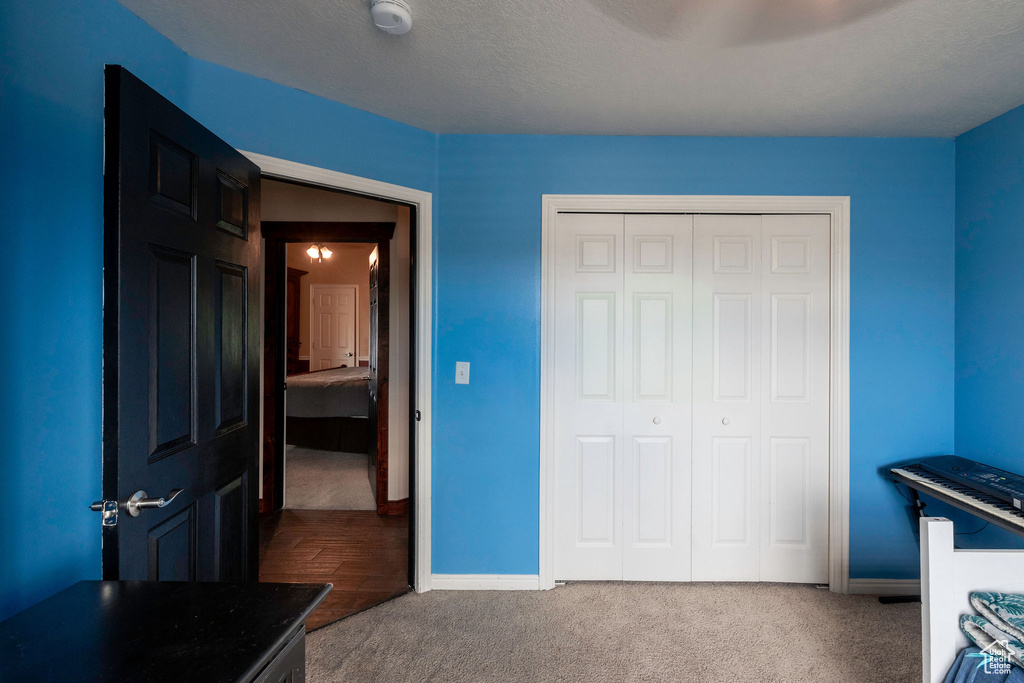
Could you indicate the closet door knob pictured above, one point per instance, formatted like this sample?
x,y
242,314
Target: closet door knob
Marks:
x,y
725,420
657,420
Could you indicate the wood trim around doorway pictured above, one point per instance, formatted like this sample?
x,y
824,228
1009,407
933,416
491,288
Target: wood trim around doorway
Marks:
x,y
838,208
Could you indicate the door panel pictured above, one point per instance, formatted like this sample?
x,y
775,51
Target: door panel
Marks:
x,y
656,402
180,355
596,483
730,508
595,346
171,548
652,490
726,391
761,411
230,346
731,346
795,403
172,352
588,430
229,506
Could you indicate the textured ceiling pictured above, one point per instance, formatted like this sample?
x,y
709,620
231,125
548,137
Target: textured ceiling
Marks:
x,y
631,67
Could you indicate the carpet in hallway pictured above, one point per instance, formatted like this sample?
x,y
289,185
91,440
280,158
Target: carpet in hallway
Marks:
x,y
326,480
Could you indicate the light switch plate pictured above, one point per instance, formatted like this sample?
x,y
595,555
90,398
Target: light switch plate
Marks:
x,y
461,372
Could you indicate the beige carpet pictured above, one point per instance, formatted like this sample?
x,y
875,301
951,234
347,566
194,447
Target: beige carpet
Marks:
x,y
596,632
326,480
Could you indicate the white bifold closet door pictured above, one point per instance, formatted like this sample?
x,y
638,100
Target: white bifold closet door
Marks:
x,y
622,396
691,397
760,398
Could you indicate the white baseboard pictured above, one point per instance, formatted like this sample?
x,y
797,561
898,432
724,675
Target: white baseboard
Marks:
x,y
484,582
531,582
884,587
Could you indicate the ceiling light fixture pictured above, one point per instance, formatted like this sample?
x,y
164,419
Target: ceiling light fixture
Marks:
x,y
318,252
392,16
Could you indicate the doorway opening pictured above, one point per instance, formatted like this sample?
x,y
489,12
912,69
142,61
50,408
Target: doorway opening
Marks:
x,y
339,364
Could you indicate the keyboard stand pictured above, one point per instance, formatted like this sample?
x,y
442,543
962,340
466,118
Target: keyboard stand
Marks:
x,y
917,507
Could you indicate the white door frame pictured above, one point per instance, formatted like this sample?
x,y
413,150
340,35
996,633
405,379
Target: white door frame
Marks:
x,y
282,169
312,324
839,339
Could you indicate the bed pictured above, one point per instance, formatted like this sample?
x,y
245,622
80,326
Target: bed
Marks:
x,y
329,410
948,577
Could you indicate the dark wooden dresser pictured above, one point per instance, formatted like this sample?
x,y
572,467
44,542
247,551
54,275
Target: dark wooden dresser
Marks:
x,y
162,631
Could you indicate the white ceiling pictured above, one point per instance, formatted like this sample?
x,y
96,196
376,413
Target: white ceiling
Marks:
x,y
631,67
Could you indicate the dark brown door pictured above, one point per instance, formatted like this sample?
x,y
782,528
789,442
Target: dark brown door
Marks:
x,y
378,371
181,342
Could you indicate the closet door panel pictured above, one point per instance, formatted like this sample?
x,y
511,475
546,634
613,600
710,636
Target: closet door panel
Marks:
x,y
590,450
795,398
656,400
726,397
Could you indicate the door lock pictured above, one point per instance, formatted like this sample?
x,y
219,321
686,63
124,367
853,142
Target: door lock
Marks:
x,y
109,510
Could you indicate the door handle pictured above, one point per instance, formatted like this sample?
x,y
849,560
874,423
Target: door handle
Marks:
x,y
136,504
139,502
348,355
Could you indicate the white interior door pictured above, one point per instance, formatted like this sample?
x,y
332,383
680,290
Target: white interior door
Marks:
x,y
760,429
795,398
726,397
333,320
588,396
656,453
622,341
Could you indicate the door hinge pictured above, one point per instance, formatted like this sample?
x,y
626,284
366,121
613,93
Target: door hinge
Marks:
x,y
109,510
418,416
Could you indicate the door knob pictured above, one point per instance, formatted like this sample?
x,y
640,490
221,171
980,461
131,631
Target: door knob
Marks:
x,y
725,420
139,502
657,420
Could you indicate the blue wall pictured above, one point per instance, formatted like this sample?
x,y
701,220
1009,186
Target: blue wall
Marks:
x,y
488,312
259,116
990,292
487,266
51,104
51,115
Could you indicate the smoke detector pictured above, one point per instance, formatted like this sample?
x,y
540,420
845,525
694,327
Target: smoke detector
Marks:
x,y
392,16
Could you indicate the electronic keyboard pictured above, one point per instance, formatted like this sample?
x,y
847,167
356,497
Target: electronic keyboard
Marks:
x,y
989,493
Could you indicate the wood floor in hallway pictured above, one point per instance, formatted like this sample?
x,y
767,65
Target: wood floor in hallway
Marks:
x,y
365,556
